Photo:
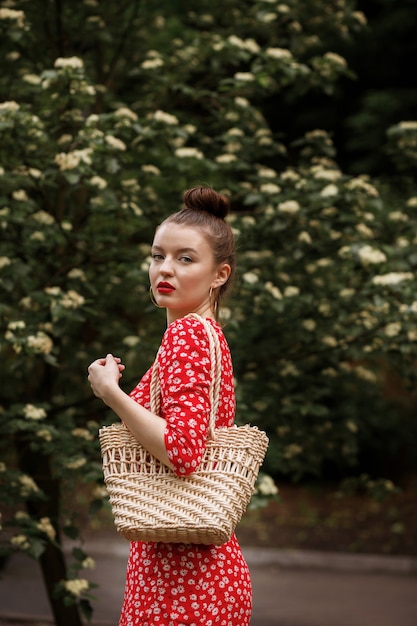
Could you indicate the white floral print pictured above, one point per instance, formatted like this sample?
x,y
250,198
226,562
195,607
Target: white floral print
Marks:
x,y
184,584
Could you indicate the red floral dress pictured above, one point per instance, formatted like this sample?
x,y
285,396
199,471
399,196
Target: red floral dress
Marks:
x,y
187,584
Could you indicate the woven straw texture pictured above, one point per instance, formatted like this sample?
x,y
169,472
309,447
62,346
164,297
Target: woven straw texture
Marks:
x,y
151,503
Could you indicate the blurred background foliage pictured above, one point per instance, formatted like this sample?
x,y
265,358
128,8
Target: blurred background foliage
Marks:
x,y
304,113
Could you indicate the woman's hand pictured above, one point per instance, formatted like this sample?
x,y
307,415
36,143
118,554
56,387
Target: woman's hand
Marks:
x,y
146,427
104,375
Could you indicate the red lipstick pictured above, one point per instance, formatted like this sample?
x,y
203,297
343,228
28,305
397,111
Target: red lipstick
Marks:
x,y
163,288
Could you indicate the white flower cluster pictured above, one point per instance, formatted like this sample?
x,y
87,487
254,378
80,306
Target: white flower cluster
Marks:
x,y
73,63
44,433
292,450
32,79
77,586
273,290
71,160
266,17
131,340
9,105
98,181
397,216
365,374
329,191
244,77
270,188
88,563
82,433
250,45
11,14
41,343
76,463
149,168
250,277
42,217
393,329
279,54
70,299
27,485
267,172
364,230
335,59
265,486
289,206
33,412
20,541
329,341
126,112
241,102
100,492
189,153
45,526
226,158
360,17
115,142
304,237
352,426
392,278
153,60
369,255
361,184
412,308
309,324
320,172
4,261
20,195
289,369
291,290
164,118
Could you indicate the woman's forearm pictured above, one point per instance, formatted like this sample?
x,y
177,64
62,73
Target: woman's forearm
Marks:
x,y
146,427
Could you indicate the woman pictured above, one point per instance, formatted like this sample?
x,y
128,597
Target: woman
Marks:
x,y
192,267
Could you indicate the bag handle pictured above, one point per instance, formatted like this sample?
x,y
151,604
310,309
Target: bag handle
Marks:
x,y
215,370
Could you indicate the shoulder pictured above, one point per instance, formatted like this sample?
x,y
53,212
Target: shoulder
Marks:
x,y
186,330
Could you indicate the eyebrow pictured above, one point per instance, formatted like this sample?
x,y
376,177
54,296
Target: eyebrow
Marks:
x,y
181,250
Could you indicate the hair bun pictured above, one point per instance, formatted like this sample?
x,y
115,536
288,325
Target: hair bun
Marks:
x,y
206,199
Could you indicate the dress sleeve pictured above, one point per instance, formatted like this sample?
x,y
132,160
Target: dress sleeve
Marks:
x,y
184,371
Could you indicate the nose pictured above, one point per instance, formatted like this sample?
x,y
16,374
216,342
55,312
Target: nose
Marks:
x,y
166,267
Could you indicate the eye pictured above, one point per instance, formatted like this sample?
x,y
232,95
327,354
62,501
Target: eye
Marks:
x,y
186,259
156,256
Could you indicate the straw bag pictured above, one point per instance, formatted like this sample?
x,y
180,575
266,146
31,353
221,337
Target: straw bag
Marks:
x,y
151,503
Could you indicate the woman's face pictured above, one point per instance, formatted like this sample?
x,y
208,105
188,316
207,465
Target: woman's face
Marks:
x,y
182,271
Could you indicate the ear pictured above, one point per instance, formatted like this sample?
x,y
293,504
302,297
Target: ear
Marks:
x,y
222,275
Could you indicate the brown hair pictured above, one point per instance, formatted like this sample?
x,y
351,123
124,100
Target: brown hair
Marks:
x,y
205,210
